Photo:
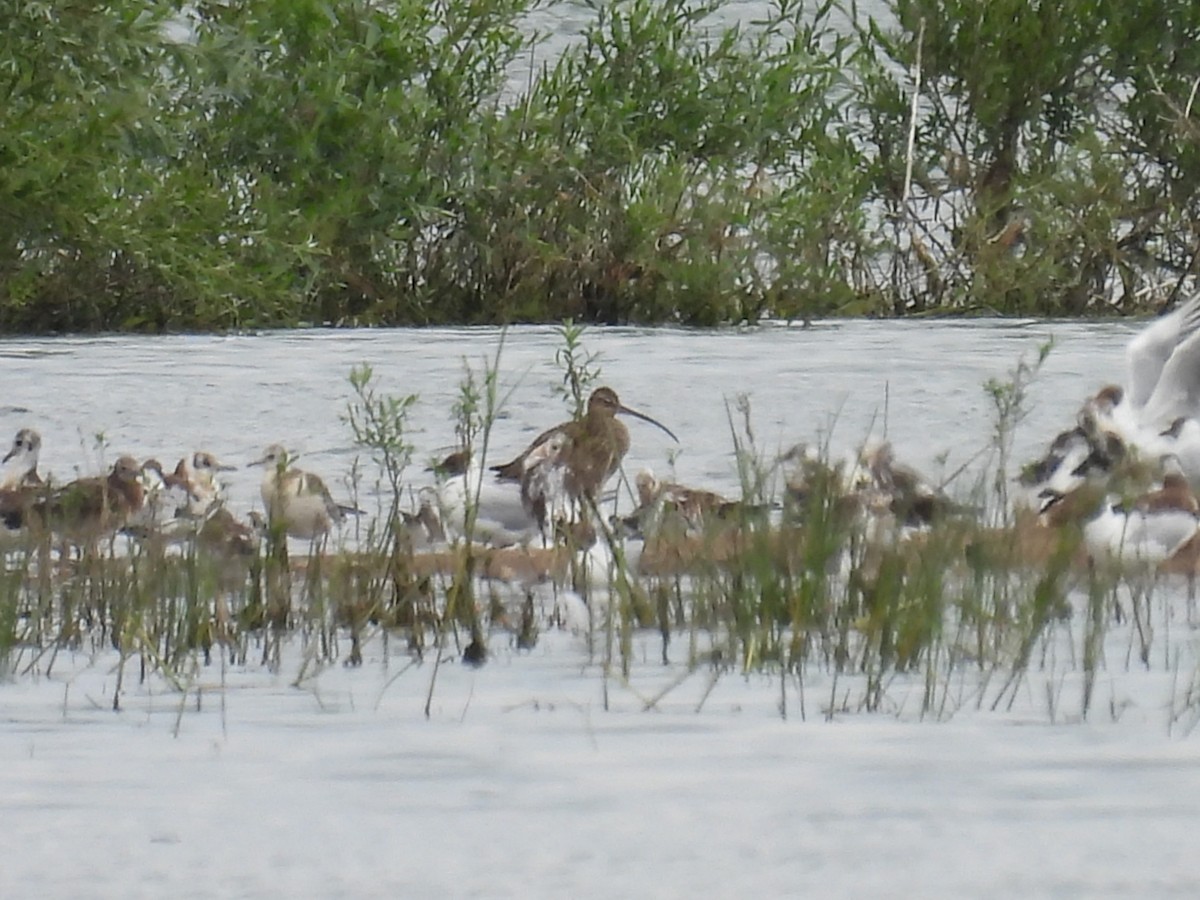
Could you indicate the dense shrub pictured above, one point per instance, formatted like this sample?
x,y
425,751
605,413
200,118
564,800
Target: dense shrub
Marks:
x,y
214,165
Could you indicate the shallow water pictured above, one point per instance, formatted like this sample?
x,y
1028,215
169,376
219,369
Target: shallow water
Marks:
x,y
920,384
521,783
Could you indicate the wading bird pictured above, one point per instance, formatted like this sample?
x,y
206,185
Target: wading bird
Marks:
x,y
201,472
21,461
597,443
295,500
86,510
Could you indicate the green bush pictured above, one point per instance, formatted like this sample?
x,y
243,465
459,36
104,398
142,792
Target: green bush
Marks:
x,y
214,165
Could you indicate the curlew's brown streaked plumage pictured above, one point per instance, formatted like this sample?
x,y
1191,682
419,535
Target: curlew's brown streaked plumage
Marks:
x,y
598,443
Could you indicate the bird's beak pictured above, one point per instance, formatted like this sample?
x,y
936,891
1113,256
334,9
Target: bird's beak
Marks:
x,y
645,418
225,467
9,455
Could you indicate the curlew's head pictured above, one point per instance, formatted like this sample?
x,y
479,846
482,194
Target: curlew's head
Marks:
x,y
604,402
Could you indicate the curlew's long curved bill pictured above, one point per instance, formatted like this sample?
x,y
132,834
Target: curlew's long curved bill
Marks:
x,y
645,418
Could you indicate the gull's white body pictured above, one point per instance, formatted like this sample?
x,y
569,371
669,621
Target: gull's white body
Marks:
x,y
1135,536
501,519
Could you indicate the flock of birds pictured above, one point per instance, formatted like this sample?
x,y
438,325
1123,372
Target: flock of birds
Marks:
x,y
1126,471
565,466
1123,472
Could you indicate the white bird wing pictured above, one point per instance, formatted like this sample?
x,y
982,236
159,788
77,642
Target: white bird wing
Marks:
x,y
1177,392
1148,353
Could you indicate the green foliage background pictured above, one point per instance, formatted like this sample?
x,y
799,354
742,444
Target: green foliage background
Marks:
x,y
215,165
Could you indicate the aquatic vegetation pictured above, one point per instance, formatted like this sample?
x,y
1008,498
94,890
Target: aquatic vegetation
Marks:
x,y
820,577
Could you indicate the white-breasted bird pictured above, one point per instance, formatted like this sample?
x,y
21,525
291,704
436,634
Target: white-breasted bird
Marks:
x,y
501,518
295,500
21,461
201,471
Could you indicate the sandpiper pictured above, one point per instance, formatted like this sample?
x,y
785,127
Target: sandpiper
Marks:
x,y
1149,528
424,527
662,504
909,496
166,510
201,471
88,509
21,461
295,500
598,443
225,536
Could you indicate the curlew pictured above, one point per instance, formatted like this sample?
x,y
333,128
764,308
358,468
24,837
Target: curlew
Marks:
x,y
598,442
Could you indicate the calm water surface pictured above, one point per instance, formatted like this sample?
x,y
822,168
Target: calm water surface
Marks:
x,y
921,384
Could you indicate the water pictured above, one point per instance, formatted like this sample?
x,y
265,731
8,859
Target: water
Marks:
x,y
559,26
920,384
533,776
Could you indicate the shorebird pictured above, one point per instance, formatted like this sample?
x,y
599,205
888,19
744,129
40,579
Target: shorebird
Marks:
x,y
166,510
424,527
1147,528
88,509
908,495
21,461
662,504
1074,457
200,471
1161,394
227,538
818,488
295,500
1150,529
598,443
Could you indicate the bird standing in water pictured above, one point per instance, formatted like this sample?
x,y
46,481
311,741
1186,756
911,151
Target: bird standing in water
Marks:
x,y
297,500
595,446
86,510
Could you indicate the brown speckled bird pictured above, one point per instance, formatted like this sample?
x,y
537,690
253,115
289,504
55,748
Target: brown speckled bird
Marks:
x,y
597,443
